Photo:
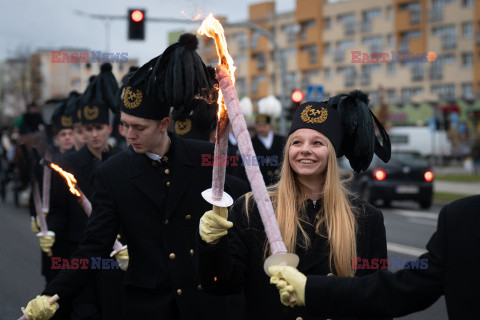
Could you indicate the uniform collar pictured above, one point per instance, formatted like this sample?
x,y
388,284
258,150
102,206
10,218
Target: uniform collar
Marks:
x,y
267,141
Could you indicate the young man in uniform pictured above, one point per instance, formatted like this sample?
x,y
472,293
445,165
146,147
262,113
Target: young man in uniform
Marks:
x,y
67,219
153,191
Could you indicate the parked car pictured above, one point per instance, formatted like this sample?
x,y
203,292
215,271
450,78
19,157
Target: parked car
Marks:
x,y
407,176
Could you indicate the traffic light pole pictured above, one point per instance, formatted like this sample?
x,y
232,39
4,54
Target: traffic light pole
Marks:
x,y
280,59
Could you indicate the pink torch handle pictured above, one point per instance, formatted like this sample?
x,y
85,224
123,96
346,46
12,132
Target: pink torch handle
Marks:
x,y
38,208
87,207
47,174
219,164
255,178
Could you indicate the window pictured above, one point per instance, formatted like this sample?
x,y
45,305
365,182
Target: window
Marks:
x,y
375,43
303,28
239,59
291,80
327,47
467,60
390,40
312,53
348,20
240,86
288,52
260,57
327,23
390,13
446,58
291,31
75,66
391,95
467,30
467,3
391,68
241,39
75,82
445,91
408,93
328,73
255,82
467,91
254,41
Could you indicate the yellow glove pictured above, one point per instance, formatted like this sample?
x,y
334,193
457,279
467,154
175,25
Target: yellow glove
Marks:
x,y
35,225
40,308
122,259
46,241
289,281
214,226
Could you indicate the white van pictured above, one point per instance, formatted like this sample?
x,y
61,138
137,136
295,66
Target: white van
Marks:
x,y
421,139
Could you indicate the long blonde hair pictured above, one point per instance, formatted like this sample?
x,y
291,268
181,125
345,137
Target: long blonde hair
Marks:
x,y
338,213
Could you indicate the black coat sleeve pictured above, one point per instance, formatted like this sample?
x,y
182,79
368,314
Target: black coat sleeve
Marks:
x,y
222,266
98,240
383,293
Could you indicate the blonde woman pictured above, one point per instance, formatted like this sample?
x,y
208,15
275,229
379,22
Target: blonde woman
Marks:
x,y
320,221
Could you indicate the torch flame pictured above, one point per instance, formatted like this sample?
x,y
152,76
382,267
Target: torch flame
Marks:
x,y
212,28
71,181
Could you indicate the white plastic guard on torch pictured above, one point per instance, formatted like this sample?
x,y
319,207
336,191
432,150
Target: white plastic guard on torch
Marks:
x,y
226,200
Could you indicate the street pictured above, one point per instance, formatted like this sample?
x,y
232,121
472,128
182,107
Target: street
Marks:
x,y
408,230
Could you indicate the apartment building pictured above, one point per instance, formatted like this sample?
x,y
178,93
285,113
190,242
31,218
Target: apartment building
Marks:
x,y
56,76
329,44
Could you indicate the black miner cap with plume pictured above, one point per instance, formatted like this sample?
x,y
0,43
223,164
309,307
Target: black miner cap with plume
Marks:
x,y
347,121
359,140
173,79
100,97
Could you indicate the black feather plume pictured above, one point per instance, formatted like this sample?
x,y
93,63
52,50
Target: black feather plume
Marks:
x,y
103,89
359,140
179,75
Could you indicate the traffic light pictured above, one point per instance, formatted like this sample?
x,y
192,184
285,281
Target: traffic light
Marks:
x,y
136,24
297,98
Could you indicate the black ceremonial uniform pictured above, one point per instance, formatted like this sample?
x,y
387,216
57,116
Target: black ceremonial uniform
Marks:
x,y
452,249
160,221
68,219
237,260
269,159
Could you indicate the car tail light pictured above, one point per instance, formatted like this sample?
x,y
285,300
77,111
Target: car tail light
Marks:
x,y
428,176
380,175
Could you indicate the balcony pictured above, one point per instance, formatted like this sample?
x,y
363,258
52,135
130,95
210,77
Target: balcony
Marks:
x,y
339,56
435,15
349,28
366,26
365,79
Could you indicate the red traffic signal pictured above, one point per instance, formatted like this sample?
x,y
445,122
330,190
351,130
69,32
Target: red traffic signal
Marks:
x,y
136,24
297,96
137,15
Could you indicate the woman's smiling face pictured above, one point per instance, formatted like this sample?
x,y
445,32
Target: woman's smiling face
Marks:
x,y
308,153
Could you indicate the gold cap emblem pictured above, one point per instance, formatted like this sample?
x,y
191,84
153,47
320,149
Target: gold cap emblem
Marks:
x,y
311,115
131,99
90,113
66,121
183,127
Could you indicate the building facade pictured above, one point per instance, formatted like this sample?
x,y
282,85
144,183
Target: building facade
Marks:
x,y
427,53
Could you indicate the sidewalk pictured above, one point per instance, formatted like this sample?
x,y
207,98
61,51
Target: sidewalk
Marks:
x,y
468,188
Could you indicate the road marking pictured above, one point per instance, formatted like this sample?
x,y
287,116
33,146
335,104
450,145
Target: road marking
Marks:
x,y
416,214
424,222
400,248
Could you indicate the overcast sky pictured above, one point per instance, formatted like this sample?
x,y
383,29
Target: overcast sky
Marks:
x,y
52,24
